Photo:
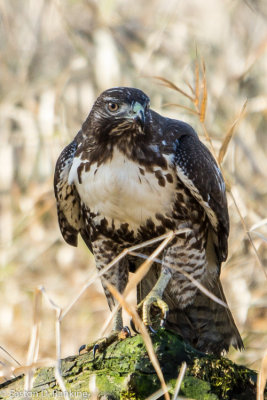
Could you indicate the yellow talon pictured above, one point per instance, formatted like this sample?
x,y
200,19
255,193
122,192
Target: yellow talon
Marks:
x,y
155,297
157,301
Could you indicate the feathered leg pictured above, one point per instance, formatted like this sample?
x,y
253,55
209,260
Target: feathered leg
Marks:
x,y
191,259
105,251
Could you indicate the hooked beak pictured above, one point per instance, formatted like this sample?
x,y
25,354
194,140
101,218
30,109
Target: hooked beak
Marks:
x,y
138,113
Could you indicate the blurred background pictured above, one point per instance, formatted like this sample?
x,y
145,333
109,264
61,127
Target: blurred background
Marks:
x,y
55,58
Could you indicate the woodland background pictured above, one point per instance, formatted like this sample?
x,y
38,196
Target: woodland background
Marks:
x,y
55,58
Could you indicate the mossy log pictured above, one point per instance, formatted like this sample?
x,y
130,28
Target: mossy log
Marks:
x,y
124,371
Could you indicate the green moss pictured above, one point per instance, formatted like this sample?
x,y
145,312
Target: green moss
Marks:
x,y
124,371
110,384
197,389
143,385
126,395
226,378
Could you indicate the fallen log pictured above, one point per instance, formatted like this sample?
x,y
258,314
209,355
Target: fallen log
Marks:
x,y
123,371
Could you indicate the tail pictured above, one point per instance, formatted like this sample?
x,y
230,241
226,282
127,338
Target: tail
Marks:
x,y
205,324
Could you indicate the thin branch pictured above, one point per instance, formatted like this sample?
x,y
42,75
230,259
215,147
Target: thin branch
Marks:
x,y
171,85
156,395
34,341
61,383
190,110
179,380
58,376
10,355
262,377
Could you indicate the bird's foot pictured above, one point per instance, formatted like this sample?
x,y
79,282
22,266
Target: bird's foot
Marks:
x,y
149,309
101,344
154,300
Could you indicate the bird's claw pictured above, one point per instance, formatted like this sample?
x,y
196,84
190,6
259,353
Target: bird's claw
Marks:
x,y
82,347
124,333
162,322
103,343
164,318
133,326
146,304
152,330
95,348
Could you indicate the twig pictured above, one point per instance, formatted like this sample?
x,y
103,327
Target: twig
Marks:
x,y
34,341
156,395
58,375
179,380
262,377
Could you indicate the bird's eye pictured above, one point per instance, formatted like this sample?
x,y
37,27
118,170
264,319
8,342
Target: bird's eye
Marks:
x,y
113,107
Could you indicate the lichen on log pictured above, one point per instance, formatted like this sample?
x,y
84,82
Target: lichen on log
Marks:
x,y
123,371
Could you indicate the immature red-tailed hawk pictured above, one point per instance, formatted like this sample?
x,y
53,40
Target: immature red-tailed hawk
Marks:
x,y
131,175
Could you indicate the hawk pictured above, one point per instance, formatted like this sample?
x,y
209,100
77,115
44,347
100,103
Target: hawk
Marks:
x,y
131,175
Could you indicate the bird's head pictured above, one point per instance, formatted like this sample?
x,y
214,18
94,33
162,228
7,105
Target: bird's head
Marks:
x,y
118,112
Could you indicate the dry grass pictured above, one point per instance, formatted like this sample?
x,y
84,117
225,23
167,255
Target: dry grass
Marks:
x,y
55,58
262,378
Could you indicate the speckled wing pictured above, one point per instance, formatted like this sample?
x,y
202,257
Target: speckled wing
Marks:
x,y
68,200
199,172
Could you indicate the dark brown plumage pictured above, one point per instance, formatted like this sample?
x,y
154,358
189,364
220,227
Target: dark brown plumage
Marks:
x,y
131,175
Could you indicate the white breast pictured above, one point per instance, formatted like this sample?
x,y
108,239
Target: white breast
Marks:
x,y
118,191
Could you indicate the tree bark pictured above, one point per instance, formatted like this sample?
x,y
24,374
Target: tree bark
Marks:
x,y
123,371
